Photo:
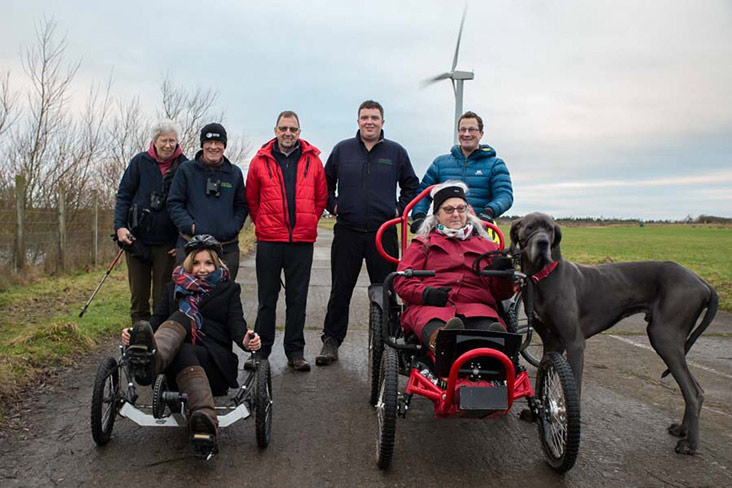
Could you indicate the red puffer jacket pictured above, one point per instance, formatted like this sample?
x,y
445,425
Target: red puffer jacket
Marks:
x,y
452,259
265,192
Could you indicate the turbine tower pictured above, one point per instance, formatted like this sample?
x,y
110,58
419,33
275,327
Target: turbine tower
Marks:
x,y
457,78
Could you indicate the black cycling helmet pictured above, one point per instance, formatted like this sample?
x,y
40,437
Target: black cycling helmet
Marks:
x,y
203,241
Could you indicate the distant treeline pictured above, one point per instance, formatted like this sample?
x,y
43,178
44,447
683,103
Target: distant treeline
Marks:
x,y
701,219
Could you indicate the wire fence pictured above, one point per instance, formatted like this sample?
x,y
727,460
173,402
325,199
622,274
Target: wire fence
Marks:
x,y
54,239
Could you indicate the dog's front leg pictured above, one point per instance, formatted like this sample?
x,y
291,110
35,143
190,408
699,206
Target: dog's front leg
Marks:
x,y
576,360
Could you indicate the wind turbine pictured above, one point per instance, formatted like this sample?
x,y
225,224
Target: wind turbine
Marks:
x,y
457,78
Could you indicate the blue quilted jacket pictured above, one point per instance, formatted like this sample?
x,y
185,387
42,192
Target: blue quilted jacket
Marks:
x,y
488,179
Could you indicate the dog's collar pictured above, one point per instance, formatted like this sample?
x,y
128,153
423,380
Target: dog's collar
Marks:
x,y
544,272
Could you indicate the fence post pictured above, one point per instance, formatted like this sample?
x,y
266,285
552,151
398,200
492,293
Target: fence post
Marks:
x,y
19,223
62,226
95,227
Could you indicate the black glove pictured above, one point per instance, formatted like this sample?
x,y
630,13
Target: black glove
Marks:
x,y
417,221
436,297
486,214
500,263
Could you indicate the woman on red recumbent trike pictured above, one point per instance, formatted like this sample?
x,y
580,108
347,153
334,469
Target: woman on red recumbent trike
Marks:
x,y
449,241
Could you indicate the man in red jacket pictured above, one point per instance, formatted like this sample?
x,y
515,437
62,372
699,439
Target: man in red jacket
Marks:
x,y
286,193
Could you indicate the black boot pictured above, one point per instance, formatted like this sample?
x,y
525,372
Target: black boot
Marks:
x,y
329,353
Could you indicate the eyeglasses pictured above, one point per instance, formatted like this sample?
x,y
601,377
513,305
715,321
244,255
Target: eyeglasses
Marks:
x,y
294,130
470,130
460,209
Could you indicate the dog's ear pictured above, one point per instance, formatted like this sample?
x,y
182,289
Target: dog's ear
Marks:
x,y
556,249
515,227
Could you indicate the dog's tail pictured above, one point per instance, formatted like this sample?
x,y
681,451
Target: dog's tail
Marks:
x,y
708,317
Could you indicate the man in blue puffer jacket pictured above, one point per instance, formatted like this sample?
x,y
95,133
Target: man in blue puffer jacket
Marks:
x,y
207,197
487,177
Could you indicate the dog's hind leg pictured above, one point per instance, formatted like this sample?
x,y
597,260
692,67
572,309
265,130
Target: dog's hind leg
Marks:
x,y
668,342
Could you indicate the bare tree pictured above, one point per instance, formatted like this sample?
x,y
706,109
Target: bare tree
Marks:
x,y
48,123
8,115
191,109
127,133
8,100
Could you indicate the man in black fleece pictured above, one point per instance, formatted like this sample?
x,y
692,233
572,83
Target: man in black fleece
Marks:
x,y
362,174
207,197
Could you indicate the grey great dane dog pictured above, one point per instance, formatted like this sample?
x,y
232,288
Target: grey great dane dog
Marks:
x,y
574,302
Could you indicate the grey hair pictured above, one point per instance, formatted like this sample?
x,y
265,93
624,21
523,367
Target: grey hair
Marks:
x,y
165,126
430,222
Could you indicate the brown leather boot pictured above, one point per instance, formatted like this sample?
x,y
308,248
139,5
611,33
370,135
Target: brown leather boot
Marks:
x,y
202,421
168,340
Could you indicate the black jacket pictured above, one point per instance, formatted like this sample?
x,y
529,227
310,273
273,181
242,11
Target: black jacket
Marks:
x,y
141,178
223,323
189,202
366,182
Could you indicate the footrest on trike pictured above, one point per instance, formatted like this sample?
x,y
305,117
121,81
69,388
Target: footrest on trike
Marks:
x,y
481,401
204,446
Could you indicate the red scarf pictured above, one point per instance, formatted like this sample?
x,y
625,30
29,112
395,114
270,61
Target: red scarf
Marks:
x,y
166,164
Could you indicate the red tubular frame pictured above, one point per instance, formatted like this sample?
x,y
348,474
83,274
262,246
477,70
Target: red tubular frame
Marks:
x,y
516,386
404,221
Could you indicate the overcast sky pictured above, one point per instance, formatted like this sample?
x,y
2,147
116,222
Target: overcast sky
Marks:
x,y
618,108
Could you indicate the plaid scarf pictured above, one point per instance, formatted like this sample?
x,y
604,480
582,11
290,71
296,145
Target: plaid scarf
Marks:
x,y
190,290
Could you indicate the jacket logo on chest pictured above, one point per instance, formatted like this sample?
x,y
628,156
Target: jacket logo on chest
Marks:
x,y
226,184
384,161
478,173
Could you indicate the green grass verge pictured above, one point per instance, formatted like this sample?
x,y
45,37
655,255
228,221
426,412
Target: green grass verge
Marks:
x,y
41,328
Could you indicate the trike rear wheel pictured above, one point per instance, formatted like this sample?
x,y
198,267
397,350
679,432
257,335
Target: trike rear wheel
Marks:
x,y
559,412
386,407
105,401
376,349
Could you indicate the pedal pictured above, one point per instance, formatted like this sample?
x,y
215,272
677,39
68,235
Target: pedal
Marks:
x,y
204,446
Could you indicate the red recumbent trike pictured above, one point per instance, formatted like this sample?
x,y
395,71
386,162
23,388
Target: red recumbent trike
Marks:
x,y
473,373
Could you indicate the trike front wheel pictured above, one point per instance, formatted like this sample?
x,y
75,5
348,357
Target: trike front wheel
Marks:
x,y
559,412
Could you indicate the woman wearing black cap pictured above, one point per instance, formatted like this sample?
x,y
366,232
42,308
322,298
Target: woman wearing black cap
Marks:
x,y
193,332
448,242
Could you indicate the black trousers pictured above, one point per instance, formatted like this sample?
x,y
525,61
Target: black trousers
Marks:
x,y
347,253
296,258
140,273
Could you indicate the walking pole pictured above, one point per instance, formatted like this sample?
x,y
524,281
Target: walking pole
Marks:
x,y
109,270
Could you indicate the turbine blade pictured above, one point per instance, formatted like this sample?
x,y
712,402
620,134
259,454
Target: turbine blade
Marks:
x,y
437,78
460,35
454,90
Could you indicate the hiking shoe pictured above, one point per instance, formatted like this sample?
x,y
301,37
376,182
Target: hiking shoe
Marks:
x,y
329,353
298,364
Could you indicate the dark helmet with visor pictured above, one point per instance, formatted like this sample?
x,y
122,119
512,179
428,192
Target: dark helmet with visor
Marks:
x,y
203,241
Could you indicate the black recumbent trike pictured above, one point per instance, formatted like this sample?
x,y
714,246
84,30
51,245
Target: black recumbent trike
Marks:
x,y
473,373
112,397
